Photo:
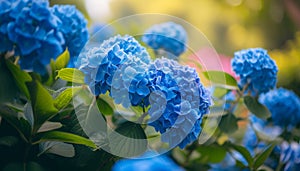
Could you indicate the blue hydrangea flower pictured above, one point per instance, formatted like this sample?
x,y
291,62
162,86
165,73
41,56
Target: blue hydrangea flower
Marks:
x,y
34,32
177,110
251,141
284,106
255,69
146,164
74,29
262,127
229,163
113,66
169,36
9,9
290,155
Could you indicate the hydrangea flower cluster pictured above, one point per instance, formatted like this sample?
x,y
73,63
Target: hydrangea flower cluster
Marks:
x,y
290,155
251,140
38,33
118,57
168,36
229,163
287,153
186,102
146,164
284,106
8,12
177,99
256,70
32,28
74,29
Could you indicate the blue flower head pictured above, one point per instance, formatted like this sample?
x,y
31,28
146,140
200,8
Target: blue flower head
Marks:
x,y
168,36
178,102
35,35
256,70
290,155
251,141
259,127
146,164
9,9
229,163
284,106
74,28
113,66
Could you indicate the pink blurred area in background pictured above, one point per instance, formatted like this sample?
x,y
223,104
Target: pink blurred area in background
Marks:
x,y
209,59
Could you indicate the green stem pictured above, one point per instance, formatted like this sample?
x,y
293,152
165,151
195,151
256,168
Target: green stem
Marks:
x,y
141,119
278,168
26,153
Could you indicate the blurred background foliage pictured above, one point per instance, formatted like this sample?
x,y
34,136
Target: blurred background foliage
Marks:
x,y
230,25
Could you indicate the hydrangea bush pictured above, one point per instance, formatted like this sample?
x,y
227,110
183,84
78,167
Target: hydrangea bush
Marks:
x,y
111,105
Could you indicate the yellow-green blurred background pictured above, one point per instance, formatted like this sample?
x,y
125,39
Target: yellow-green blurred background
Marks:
x,y
230,25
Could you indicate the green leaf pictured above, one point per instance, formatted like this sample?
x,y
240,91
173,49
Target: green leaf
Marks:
x,y
63,60
90,123
19,123
128,140
104,107
42,104
20,77
211,153
58,148
48,126
30,166
261,158
228,123
63,137
28,113
65,97
71,75
256,108
51,78
219,92
242,150
240,164
8,141
8,88
221,78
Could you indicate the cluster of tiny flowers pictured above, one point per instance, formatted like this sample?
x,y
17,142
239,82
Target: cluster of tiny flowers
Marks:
x,y
185,99
113,66
284,106
168,36
256,70
74,29
290,155
33,32
147,163
8,12
33,29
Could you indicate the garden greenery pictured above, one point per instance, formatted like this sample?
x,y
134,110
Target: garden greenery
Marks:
x,y
46,71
